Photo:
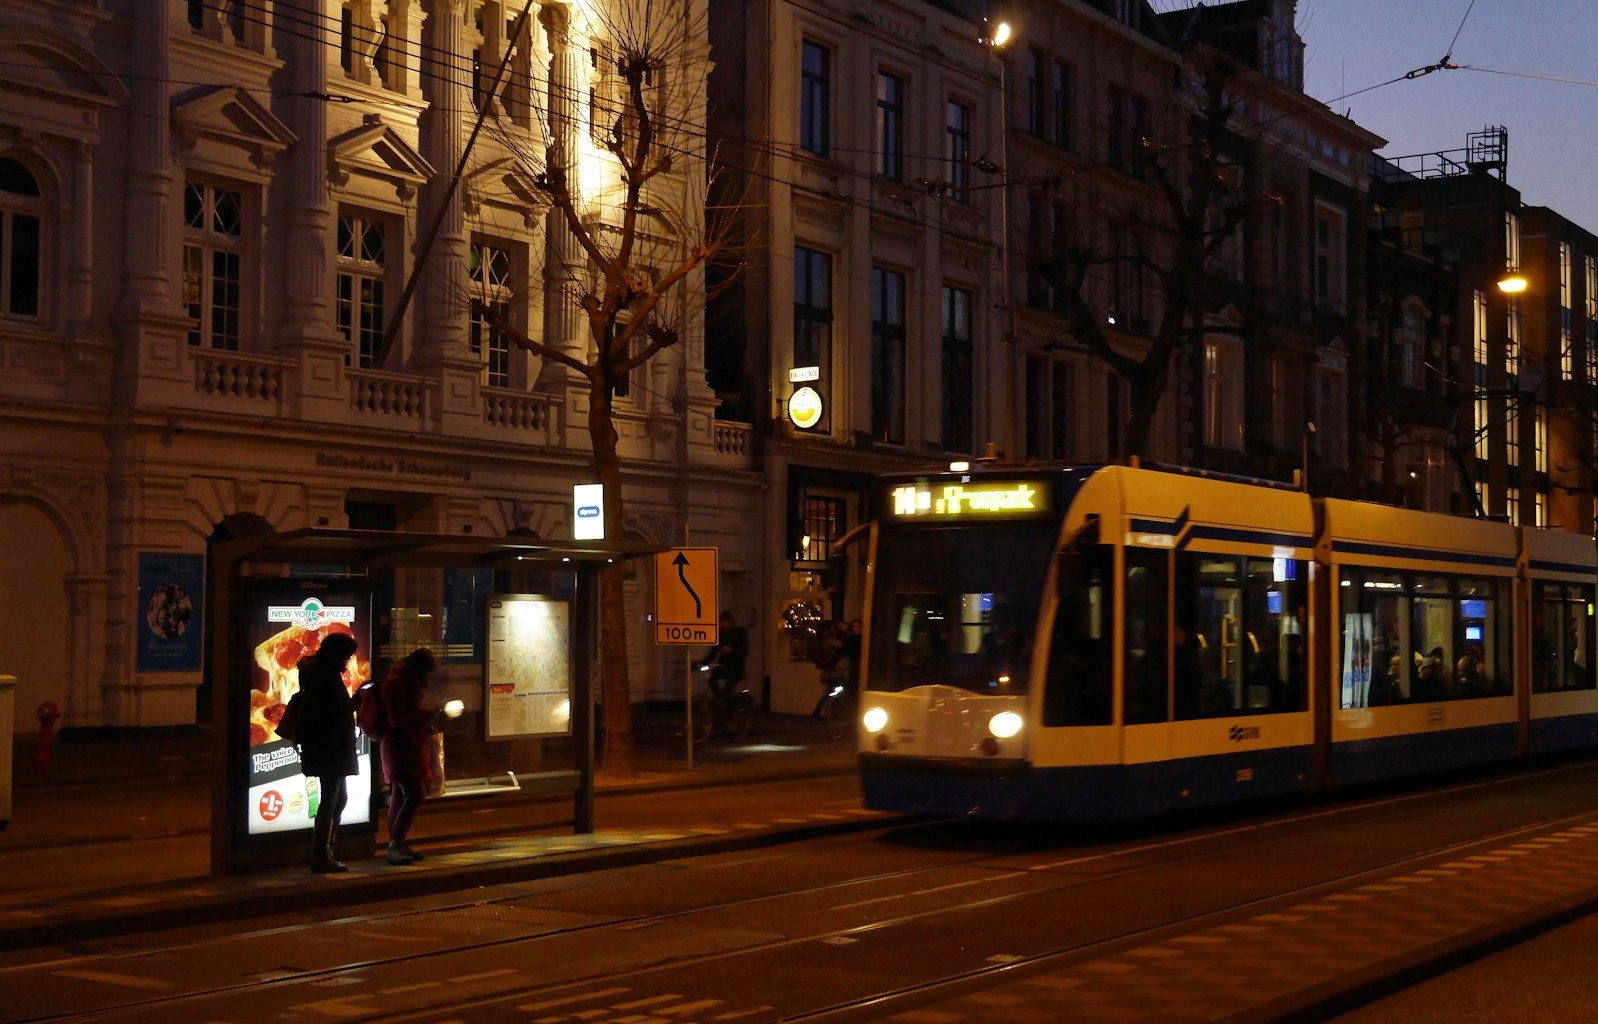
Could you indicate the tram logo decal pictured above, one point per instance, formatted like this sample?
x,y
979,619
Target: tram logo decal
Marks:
x,y
1240,733
969,501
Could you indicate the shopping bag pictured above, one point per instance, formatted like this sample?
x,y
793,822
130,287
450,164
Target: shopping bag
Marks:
x,y
435,763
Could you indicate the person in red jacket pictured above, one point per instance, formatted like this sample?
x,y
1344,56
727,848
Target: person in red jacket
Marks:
x,y
406,764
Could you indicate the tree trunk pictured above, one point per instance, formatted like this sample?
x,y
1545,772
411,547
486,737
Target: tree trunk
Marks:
x,y
616,687
1146,391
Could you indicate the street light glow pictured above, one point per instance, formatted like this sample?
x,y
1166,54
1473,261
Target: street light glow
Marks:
x,y
1001,35
1514,284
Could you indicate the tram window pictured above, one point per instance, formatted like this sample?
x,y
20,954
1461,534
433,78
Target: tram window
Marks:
x,y
957,607
1078,690
1146,635
1431,640
1421,638
1561,637
1239,635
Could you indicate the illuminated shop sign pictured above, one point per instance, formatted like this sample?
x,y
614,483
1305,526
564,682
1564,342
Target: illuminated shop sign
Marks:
x,y
1010,499
800,374
804,408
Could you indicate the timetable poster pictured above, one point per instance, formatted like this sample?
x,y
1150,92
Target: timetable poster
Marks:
x,y
527,674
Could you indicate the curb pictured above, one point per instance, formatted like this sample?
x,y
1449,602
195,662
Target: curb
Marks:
x,y
320,892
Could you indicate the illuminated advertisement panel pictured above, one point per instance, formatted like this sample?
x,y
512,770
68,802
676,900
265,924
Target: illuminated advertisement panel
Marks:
x,y
285,621
956,501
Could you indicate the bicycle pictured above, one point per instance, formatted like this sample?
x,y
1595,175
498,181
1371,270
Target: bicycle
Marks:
x,y
837,708
730,714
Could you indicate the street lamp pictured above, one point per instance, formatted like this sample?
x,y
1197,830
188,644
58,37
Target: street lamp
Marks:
x,y
996,38
1513,284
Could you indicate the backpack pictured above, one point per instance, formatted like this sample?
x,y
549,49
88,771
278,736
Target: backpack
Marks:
x,y
369,714
288,727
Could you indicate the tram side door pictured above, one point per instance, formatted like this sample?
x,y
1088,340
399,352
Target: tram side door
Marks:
x,y
1147,643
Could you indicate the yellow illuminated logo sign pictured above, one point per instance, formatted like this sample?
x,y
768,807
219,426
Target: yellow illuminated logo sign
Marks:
x,y
804,408
968,501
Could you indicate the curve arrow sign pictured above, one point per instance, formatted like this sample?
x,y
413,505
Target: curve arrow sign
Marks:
x,y
681,561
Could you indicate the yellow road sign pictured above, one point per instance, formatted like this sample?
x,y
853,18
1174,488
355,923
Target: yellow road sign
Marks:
x,y
685,596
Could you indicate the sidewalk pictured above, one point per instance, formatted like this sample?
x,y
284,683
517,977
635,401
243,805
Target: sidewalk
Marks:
x,y
151,798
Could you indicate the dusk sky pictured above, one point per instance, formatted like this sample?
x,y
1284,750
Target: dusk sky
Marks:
x,y
1553,126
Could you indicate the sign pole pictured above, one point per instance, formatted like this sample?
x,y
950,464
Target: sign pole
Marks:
x,y
688,685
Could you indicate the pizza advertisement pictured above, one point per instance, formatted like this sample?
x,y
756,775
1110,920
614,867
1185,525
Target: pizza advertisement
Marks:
x,y
285,623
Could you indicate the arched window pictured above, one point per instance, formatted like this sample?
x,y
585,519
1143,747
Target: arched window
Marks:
x,y
21,217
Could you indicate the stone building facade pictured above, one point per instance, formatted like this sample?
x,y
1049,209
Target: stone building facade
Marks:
x,y
210,212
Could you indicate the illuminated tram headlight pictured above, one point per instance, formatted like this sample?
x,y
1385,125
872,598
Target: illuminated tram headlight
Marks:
x,y
1004,724
874,720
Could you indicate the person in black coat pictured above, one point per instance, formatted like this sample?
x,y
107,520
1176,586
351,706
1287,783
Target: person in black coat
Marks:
x,y
326,740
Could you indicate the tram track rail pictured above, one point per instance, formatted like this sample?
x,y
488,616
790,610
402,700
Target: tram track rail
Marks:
x,y
1208,843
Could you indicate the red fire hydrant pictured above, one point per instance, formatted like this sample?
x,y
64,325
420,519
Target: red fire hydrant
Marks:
x,y
49,714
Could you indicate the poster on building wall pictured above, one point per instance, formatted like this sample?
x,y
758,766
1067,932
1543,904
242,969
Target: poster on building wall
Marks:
x,y
170,611
284,621
528,671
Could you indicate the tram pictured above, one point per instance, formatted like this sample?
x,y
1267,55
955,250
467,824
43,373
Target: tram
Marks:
x,y
1080,643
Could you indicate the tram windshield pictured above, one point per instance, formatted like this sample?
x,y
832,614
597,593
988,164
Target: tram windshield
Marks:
x,y
958,606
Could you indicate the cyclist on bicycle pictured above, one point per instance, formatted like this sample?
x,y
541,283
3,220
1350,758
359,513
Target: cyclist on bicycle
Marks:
x,y
726,660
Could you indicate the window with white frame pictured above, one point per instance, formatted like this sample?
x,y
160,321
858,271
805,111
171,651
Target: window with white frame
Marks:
x,y
22,216
213,256
1479,371
489,269
1511,241
1540,509
358,290
1330,262
1512,505
1223,393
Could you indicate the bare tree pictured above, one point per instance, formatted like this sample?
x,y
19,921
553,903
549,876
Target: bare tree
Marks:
x,y
619,154
1200,194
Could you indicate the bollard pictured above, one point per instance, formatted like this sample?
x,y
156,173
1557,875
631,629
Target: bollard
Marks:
x,y
49,714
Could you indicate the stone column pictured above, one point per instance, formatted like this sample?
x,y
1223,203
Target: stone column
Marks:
x,y
441,305
306,331
153,185
566,328
442,343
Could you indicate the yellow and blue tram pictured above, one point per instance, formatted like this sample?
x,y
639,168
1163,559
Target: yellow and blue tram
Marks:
x,y
1099,642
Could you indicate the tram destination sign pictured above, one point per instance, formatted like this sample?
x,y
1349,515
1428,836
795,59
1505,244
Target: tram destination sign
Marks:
x,y
928,501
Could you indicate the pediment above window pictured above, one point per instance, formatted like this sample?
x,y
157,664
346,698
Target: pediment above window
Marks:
x,y
376,150
506,184
231,116
39,63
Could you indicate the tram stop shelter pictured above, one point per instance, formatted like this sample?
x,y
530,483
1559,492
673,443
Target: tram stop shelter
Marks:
x,y
273,596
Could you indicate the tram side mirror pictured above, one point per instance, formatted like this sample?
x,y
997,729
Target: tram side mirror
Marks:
x,y
1068,573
